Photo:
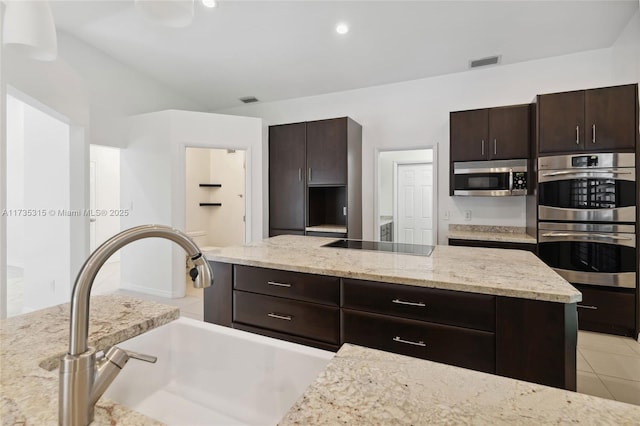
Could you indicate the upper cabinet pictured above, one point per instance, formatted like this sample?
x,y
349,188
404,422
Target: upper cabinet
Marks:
x,y
602,120
326,152
315,178
490,134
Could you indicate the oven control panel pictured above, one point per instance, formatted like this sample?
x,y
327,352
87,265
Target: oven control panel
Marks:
x,y
520,180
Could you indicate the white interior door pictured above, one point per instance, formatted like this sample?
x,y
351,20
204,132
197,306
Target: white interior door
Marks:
x,y
414,186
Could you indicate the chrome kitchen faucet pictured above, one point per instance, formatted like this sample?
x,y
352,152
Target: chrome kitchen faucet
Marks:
x,y
82,381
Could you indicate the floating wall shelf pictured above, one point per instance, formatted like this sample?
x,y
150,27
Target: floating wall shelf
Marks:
x,y
210,204
211,185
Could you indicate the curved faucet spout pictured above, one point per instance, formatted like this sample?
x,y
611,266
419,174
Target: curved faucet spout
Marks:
x,y
82,288
81,383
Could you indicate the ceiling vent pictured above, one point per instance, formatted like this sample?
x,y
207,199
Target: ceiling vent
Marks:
x,y
249,99
491,60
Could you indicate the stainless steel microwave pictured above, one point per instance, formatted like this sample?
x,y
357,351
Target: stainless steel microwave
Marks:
x,y
490,178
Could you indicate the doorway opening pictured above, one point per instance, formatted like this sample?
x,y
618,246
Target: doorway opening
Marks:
x,y
104,196
215,196
39,215
406,194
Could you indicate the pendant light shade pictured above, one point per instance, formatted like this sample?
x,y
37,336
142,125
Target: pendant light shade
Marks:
x,y
172,13
28,27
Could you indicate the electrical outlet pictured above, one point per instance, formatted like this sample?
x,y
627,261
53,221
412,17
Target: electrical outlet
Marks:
x,y
446,215
467,215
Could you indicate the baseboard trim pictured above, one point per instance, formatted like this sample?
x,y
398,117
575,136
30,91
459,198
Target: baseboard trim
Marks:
x,y
147,290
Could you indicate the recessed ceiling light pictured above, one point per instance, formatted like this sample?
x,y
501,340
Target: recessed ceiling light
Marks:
x,y
342,28
210,3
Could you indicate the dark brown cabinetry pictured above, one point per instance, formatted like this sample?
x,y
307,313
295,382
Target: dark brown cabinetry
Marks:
x,y
286,173
494,244
602,120
439,325
296,305
607,310
518,338
490,134
315,177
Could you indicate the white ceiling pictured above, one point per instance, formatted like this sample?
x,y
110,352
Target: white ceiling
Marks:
x,y
285,49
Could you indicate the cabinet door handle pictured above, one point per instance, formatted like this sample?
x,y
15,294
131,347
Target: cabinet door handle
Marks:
x,y
593,134
482,146
409,342
277,284
594,308
309,174
577,135
402,302
280,317
495,147
299,174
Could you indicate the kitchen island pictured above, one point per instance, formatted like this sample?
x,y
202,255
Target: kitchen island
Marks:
x,y
360,386
497,311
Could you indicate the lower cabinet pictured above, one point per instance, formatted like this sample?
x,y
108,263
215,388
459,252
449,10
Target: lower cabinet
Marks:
x,y
458,346
607,310
310,320
519,338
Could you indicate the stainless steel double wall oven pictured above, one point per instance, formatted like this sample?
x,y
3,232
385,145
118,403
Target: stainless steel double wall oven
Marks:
x,y
587,217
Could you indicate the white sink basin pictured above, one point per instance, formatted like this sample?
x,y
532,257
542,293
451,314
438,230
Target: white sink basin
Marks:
x,y
212,375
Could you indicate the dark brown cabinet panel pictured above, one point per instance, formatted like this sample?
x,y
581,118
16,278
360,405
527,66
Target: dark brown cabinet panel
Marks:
x,y
326,152
293,285
610,118
442,306
469,135
509,132
598,120
315,176
501,133
318,322
217,297
494,244
451,345
561,122
286,176
607,310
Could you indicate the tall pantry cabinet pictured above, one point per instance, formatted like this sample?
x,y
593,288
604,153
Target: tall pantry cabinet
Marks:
x,y
315,178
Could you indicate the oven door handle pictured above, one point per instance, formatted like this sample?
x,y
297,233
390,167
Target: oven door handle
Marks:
x,y
577,172
571,234
510,181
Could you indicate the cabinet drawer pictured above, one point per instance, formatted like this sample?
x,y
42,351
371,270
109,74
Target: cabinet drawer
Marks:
x,y
293,285
436,342
304,319
606,310
442,306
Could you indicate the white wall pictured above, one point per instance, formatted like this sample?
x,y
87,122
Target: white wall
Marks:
x,y
415,114
198,170
106,162
153,187
41,143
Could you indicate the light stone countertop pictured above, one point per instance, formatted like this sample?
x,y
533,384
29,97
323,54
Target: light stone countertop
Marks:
x,y
512,273
362,386
31,345
327,228
505,234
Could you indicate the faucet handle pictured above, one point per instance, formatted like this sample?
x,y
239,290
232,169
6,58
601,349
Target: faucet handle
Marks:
x,y
142,357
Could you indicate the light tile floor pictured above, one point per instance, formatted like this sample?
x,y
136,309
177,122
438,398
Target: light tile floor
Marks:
x,y
607,366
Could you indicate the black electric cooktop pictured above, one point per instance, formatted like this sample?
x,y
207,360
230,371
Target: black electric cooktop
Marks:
x,y
415,249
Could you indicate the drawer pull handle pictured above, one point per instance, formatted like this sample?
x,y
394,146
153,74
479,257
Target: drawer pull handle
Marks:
x,y
409,342
278,284
588,307
280,317
402,302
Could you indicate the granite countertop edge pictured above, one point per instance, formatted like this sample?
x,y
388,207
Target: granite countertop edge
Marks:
x,y
32,343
